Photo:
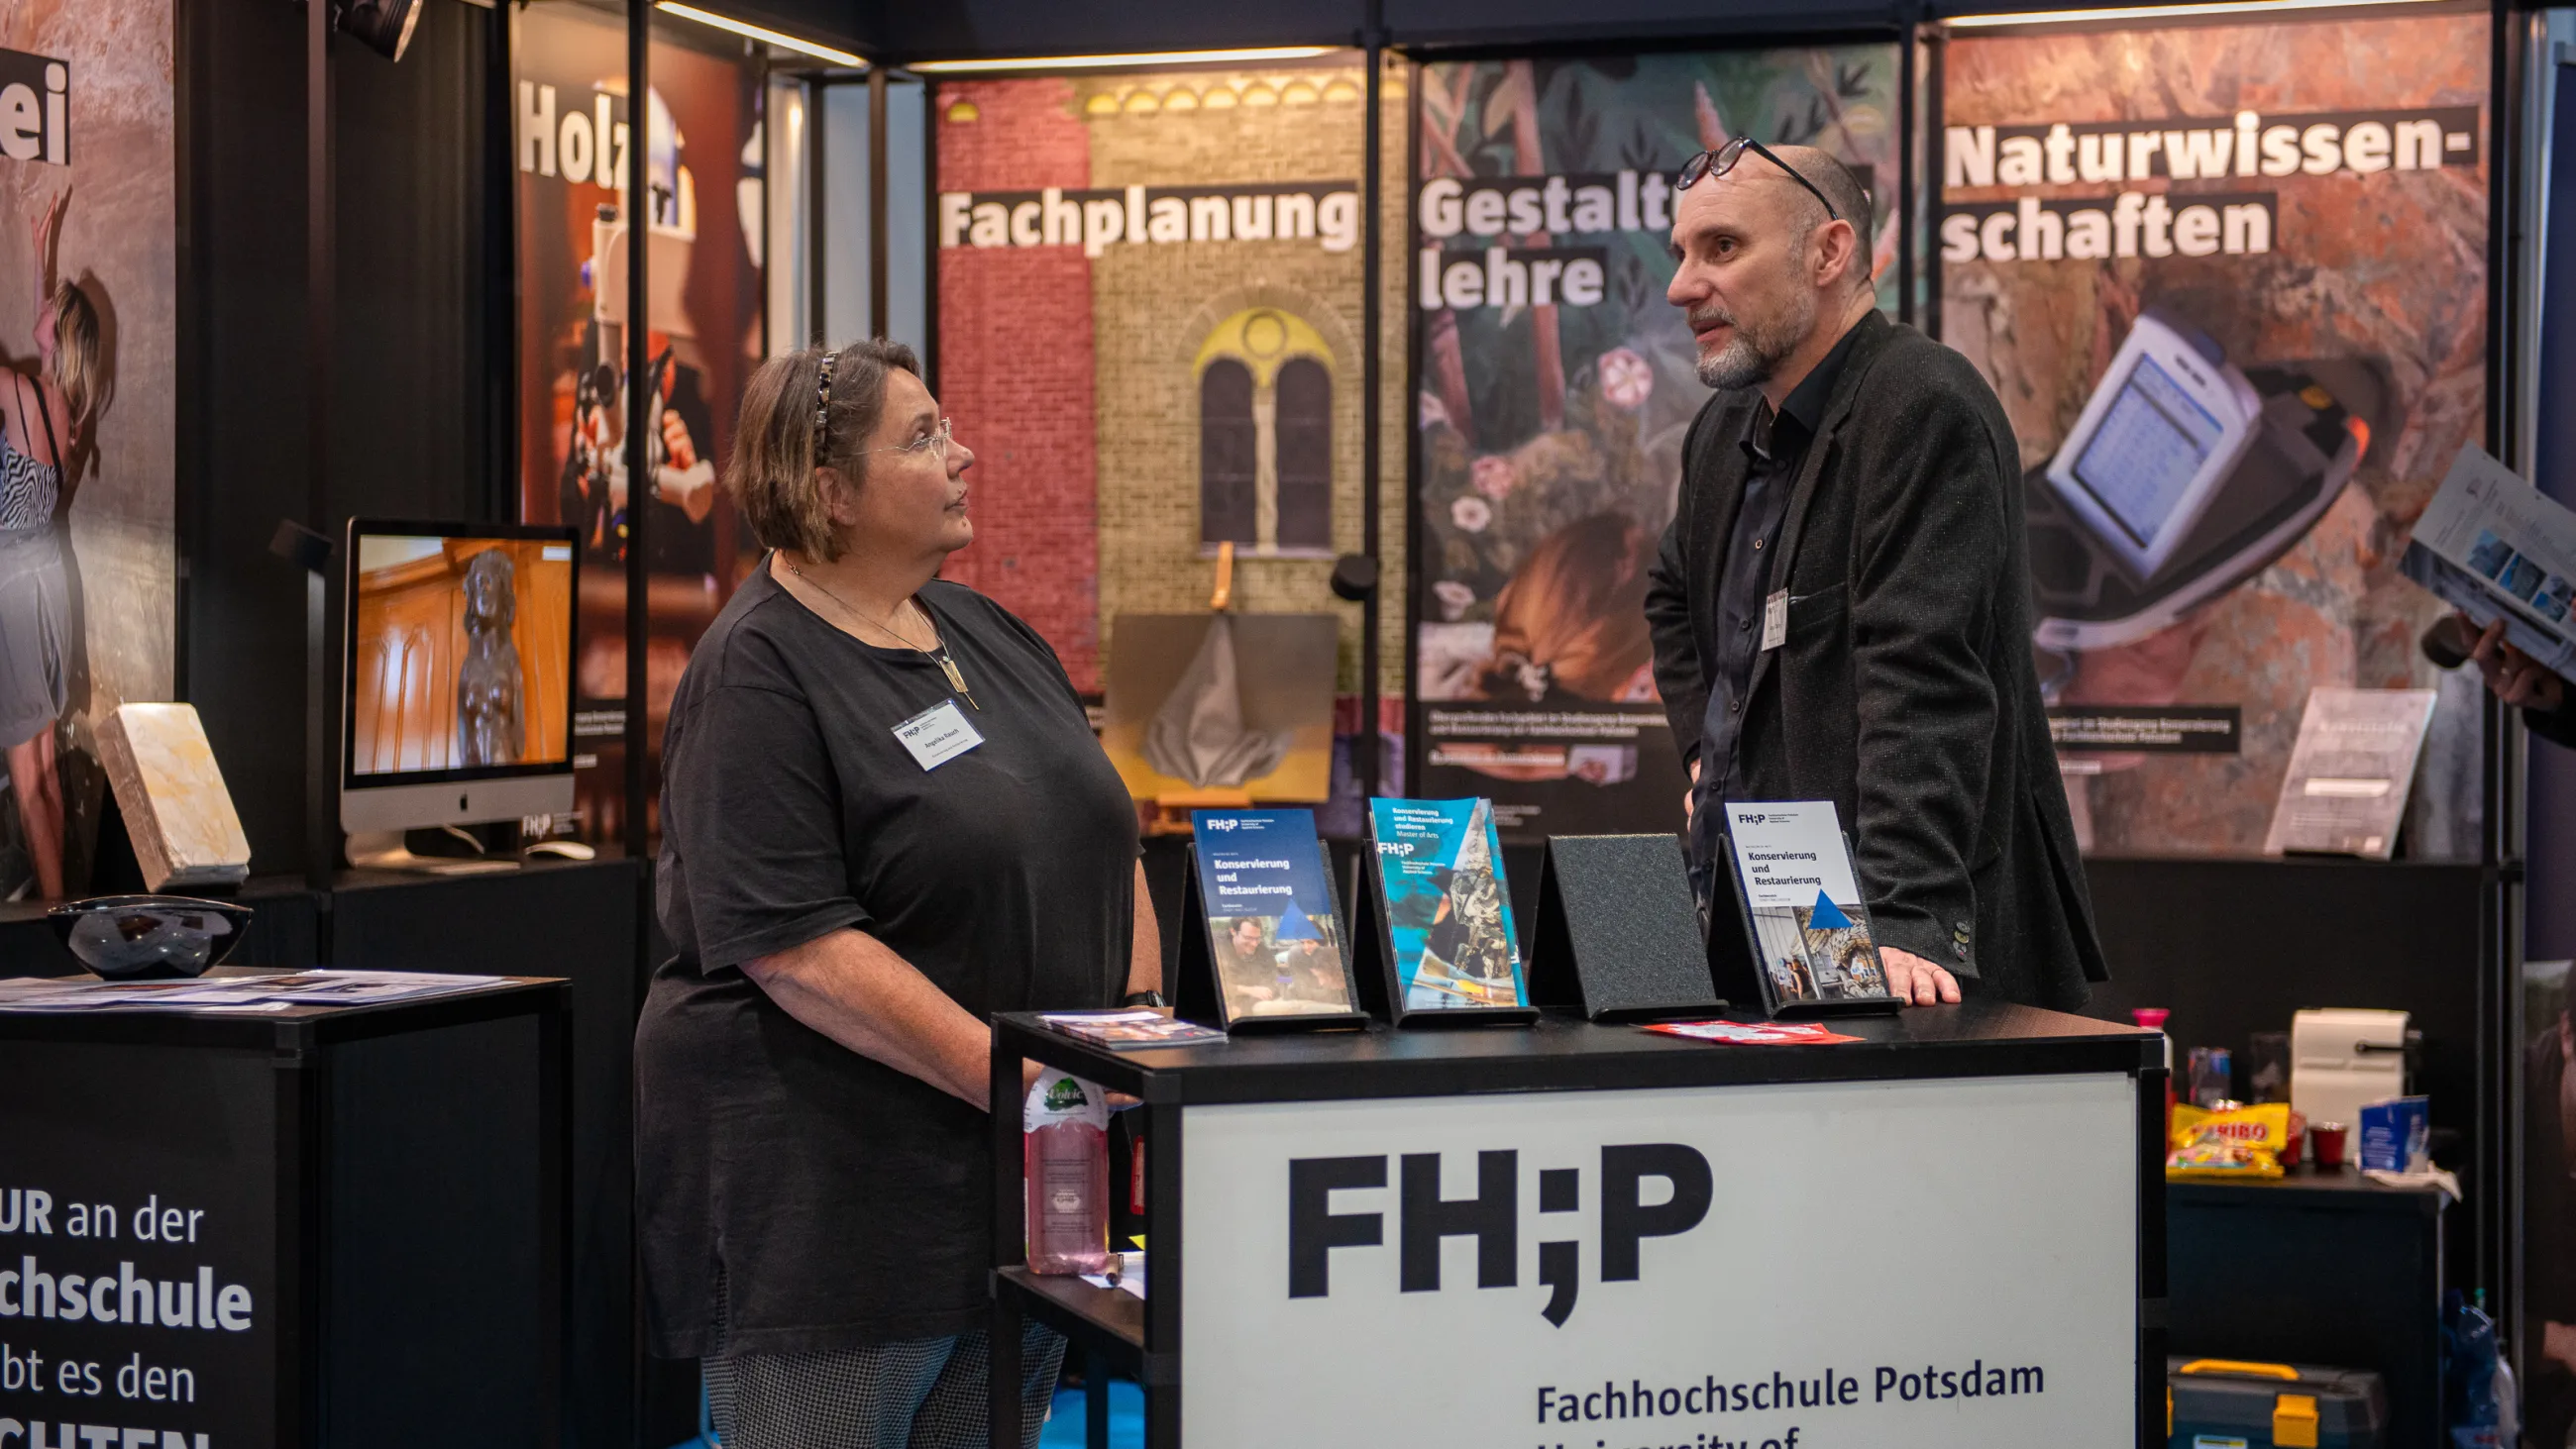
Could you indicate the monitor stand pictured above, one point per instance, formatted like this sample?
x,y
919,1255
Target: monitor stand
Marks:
x,y
384,850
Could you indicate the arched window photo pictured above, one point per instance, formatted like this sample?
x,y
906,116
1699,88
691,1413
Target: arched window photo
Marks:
x,y
1304,445
1266,435
1229,447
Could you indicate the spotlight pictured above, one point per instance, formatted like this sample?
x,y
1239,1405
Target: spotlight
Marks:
x,y
1354,577
385,25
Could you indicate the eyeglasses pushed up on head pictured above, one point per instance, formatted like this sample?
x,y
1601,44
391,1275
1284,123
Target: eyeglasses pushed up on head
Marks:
x,y
1723,159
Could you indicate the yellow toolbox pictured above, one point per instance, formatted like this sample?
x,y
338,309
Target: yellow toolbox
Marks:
x,y
2216,1403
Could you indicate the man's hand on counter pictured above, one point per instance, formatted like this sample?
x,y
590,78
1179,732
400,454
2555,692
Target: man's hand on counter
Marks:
x,y
1915,981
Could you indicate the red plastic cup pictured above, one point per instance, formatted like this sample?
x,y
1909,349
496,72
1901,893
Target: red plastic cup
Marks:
x,y
2325,1139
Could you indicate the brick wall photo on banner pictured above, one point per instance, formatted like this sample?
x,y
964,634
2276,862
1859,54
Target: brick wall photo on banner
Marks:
x,y
1150,333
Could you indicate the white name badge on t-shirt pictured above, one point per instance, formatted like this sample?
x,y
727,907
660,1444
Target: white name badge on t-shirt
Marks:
x,y
1775,619
938,734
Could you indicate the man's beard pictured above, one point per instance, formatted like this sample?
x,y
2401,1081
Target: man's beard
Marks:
x,y
1757,346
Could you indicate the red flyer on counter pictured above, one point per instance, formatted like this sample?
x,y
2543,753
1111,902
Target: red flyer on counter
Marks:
x,y
1752,1033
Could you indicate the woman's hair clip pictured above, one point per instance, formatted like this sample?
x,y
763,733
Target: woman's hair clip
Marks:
x,y
823,399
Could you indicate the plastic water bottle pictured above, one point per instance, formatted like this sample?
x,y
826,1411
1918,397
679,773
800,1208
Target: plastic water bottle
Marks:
x,y
1064,1143
2153,1018
2477,1405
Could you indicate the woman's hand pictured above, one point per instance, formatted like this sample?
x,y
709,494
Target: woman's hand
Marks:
x,y
45,225
45,230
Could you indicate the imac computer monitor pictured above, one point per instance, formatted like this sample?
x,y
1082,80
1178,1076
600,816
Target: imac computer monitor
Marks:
x,y
457,707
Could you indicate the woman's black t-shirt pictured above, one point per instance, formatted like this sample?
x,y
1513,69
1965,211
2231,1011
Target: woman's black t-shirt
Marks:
x,y
828,1200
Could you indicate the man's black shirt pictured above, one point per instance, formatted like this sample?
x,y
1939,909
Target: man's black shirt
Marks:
x,y
1774,447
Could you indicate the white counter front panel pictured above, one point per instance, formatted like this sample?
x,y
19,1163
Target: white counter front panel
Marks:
x,y
1918,1263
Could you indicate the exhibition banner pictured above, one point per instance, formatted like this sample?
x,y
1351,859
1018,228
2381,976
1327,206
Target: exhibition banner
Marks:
x,y
1703,1266
2547,1147
1149,331
2547,1300
88,564
2230,282
704,224
144,1299
1554,385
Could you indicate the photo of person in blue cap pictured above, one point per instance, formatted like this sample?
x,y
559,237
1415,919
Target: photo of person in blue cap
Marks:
x,y
1284,965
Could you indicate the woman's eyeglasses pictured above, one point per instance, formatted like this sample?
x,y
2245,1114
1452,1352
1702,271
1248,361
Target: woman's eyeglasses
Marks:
x,y
936,441
1723,159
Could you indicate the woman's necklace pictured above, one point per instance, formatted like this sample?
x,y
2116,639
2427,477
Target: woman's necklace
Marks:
x,y
947,665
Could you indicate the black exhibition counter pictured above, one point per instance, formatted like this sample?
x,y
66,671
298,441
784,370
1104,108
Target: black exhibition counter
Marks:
x,y
1950,1232
321,1225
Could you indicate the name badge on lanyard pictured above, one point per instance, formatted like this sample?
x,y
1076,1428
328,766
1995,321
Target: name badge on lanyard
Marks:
x,y
938,734
1775,620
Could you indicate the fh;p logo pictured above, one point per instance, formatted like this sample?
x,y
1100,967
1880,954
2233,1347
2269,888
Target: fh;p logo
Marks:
x,y
1493,1217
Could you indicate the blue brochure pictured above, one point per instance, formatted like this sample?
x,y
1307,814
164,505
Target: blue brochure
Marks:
x,y
1449,918
1278,946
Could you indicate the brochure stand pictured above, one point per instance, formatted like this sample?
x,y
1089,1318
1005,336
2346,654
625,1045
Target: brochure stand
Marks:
x,y
1732,964
1735,953
1195,994
1377,960
1372,969
1199,996
1618,936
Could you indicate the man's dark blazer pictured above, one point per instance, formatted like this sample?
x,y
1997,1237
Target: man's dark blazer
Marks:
x,y
1905,691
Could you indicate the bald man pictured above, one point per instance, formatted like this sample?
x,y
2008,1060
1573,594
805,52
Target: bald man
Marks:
x,y
1841,608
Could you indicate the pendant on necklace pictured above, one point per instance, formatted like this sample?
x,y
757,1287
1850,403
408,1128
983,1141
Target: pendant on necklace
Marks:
x,y
956,681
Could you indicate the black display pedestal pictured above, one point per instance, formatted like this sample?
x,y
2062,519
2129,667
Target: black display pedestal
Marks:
x,y
342,1225
1618,937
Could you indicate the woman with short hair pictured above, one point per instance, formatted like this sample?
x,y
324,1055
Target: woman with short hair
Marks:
x,y
884,817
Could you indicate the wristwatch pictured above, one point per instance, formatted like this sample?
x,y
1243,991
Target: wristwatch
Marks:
x,y
1153,999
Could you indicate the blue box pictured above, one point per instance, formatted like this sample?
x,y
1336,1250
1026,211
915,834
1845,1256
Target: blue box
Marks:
x,y
2395,1133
